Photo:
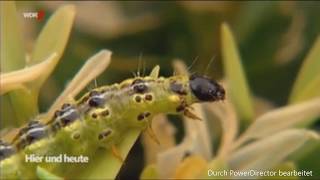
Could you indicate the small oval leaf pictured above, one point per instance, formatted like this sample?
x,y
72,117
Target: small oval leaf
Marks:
x,y
15,79
309,74
280,119
53,38
93,67
12,50
239,91
256,156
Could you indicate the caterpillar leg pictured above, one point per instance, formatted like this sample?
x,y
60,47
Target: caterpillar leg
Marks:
x,y
187,112
116,153
152,134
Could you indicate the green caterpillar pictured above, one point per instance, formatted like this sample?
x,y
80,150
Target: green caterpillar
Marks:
x,y
100,118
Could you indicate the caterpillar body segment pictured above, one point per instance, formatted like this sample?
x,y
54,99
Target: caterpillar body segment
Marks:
x,y
101,117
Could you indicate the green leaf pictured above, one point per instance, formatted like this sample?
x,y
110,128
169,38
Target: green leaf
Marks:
x,y
311,162
308,81
22,104
310,91
53,38
21,101
12,50
25,105
93,67
16,79
238,90
293,116
43,174
105,165
256,156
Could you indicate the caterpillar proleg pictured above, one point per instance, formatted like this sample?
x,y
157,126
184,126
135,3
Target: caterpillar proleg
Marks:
x,y
101,117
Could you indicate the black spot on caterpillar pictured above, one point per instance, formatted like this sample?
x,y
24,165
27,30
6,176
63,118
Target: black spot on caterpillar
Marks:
x,y
143,116
102,116
104,134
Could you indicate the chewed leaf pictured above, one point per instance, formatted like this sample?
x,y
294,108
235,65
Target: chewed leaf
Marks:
x,y
239,91
229,124
12,50
93,68
165,133
308,80
196,131
256,156
155,71
15,79
174,156
281,119
53,38
43,174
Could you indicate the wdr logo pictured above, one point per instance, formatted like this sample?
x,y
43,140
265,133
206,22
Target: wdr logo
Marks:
x,y
34,15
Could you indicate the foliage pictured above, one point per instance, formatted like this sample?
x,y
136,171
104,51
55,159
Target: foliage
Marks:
x,y
241,133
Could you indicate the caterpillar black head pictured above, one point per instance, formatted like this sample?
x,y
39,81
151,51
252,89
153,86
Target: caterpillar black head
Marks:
x,y
205,89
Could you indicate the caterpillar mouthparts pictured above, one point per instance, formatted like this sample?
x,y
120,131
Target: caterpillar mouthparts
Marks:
x,y
101,116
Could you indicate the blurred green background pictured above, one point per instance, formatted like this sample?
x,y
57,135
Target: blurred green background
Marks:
x,y
273,39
